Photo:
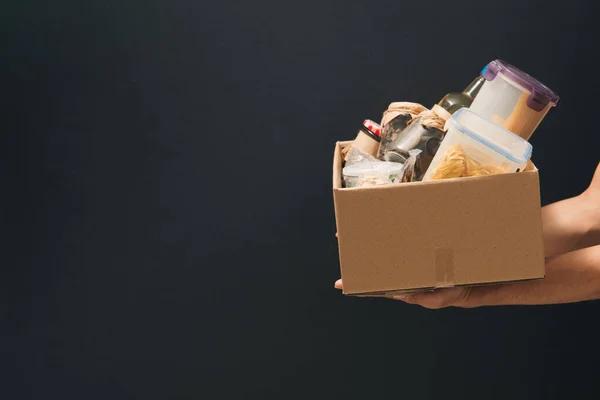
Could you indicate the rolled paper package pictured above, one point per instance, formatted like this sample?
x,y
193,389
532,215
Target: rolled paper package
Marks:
x,y
401,107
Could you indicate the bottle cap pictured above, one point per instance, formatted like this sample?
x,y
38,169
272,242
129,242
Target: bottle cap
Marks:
x,y
372,126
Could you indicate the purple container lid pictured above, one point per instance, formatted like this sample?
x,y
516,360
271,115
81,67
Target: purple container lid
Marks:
x,y
540,95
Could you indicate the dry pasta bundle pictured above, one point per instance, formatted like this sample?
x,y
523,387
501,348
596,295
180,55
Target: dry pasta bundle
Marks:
x,y
455,163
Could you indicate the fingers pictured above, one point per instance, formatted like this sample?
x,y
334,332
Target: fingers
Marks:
x,y
569,278
471,297
440,298
477,296
338,283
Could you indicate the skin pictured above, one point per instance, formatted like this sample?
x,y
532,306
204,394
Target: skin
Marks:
x,y
571,230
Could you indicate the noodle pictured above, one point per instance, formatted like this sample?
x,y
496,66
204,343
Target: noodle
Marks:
x,y
457,164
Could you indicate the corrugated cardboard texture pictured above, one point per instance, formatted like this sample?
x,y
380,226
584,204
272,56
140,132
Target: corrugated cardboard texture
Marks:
x,y
434,234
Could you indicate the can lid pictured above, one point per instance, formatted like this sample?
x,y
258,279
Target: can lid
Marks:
x,y
372,126
540,95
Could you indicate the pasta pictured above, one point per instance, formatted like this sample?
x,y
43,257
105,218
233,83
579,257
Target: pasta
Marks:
x,y
455,163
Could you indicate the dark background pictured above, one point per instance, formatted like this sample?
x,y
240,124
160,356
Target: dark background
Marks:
x,y
167,219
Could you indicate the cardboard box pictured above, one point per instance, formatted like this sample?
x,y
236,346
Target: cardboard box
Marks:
x,y
419,236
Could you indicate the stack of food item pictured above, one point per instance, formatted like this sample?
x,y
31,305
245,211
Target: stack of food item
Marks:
x,y
483,130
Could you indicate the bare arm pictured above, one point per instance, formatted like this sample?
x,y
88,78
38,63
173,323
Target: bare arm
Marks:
x,y
574,223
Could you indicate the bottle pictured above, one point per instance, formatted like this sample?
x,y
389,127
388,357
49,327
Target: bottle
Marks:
x,y
452,102
368,138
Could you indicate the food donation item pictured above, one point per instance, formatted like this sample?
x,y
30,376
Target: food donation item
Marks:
x,y
452,102
367,140
371,173
401,113
474,146
513,99
355,156
425,133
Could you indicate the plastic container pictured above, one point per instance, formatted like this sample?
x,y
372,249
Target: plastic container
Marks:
x,y
371,173
513,99
474,146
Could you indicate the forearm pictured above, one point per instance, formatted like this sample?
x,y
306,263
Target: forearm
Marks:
x,y
574,223
569,278
569,225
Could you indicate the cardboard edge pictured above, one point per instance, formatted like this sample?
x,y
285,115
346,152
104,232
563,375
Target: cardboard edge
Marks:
x,y
337,163
400,292
530,167
337,174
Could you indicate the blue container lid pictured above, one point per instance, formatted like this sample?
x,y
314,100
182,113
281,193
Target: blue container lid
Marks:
x,y
497,147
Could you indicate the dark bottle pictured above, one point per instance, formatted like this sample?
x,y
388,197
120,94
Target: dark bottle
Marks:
x,y
452,102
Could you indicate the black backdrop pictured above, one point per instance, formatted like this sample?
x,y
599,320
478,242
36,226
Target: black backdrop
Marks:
x,y
167,217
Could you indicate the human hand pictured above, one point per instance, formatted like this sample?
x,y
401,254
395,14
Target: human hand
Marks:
x,y
571,231
569,278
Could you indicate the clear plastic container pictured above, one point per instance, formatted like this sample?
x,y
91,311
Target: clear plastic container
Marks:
x,y
513,99
474,146
371,173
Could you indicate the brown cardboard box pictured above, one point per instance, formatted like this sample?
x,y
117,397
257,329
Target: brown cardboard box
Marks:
x,y
423,235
